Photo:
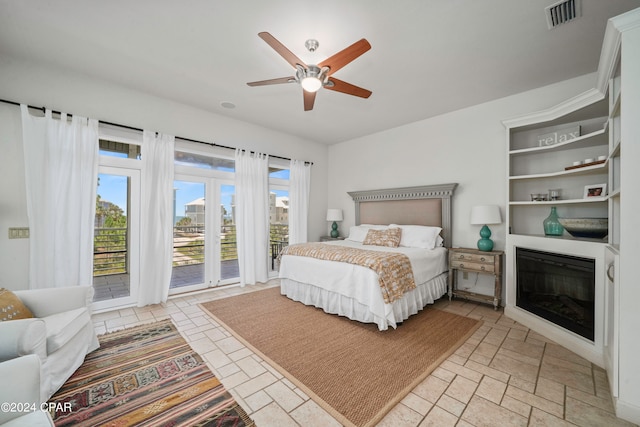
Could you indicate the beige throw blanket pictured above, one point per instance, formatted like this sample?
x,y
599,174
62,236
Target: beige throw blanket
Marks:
x,y
393,269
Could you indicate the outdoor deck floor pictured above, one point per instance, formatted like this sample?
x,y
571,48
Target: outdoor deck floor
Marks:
x,y
117,285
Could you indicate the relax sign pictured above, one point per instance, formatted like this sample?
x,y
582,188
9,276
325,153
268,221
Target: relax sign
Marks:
x,y
561,135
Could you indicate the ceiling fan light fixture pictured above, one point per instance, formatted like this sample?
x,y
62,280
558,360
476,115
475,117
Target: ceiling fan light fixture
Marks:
x,y
311,84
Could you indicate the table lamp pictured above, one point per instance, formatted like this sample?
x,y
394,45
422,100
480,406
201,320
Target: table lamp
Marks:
x,y
483,215
334,215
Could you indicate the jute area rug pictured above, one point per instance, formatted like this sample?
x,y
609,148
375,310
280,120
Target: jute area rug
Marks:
x,y
351,369
146,376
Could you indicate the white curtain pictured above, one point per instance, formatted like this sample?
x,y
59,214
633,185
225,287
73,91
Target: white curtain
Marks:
x,y
61,174
156,251
299,185
252,216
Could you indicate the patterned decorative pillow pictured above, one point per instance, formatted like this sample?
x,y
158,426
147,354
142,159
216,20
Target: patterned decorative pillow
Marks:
x,y
11,308
389,237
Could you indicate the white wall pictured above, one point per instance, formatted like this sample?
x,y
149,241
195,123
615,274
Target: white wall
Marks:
x,y
60,90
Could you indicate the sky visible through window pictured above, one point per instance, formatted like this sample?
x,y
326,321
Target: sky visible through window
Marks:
x,y
112,188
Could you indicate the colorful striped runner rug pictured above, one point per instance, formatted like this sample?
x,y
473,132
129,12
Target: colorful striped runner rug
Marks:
x,y
145,376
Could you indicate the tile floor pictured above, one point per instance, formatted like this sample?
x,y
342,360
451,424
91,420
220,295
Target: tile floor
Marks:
x,y
504,375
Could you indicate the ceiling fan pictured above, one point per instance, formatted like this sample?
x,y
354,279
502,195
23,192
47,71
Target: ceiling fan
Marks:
x,y
314,77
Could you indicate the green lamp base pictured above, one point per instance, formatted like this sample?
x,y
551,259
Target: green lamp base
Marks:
x,y
485,243
334,230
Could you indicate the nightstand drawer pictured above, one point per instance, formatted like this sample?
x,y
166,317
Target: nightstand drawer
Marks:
x,y
475,266
477,258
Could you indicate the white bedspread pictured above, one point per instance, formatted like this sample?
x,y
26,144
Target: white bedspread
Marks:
x,y
360,284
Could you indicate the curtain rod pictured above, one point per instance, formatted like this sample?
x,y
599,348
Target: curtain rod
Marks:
x,y
213,144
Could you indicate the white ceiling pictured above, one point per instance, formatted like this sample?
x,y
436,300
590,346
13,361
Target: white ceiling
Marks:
x,y
428,57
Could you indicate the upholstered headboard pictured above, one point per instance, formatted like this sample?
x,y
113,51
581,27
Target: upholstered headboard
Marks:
x,y
423,205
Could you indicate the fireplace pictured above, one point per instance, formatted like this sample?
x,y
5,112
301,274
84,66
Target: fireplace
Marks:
x,y
559,288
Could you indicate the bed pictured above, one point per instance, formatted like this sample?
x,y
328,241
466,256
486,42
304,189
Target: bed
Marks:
x,y
423,214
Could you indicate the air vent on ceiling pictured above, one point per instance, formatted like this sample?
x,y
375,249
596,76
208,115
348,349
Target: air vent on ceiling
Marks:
x,y
561,12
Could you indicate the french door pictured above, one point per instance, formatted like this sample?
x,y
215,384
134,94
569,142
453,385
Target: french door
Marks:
x,y
204,244
116,247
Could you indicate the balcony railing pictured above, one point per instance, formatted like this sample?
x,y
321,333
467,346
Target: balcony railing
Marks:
x,y
110,246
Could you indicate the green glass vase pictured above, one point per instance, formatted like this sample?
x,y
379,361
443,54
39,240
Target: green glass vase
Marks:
x,y
552,226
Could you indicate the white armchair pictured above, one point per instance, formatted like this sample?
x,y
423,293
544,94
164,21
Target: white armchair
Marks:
x,y
20,390
60,334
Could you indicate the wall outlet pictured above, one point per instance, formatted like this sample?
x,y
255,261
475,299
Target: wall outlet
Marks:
x,y
18,232
465,275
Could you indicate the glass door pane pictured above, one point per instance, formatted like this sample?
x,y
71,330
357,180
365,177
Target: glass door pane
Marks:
x,y
189,234
278,224
111,278
229,271
116,242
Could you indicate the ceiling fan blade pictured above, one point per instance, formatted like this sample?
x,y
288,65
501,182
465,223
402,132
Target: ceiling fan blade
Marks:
x,y
348,88
345,56
273,81
289,56
309,99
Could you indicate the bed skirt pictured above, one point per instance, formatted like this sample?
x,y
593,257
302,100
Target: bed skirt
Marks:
x,y
333,303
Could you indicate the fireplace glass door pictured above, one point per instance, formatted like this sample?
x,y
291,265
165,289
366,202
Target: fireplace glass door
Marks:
x,y
559,288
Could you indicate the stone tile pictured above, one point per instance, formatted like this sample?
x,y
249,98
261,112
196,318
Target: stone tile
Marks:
x,y
484,353
255,384
588,398
461,389
557,351
203,345
582,414
257,401
491,390
535,401
480,412
522,384
563,373
542,419
529,349
400,416
465,350
417,403
235,379
461,370
273,415
229,345
431,388
485,370
521,358
250,367
443,374
514,367
495,337
451,405
438,417
284,396
516,406
310,414
550,390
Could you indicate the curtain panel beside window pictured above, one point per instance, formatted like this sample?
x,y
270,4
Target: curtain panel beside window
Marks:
x,y
61,173
252,215
156,250
299,185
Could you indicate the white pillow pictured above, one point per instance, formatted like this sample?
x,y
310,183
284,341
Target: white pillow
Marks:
x,y
419,236
357,233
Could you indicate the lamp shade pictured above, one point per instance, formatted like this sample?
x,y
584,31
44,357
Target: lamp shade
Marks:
x,y
485,214
334,214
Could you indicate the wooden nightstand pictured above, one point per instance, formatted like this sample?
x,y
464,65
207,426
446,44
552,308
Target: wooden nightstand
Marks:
x,y
329,238
475,261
